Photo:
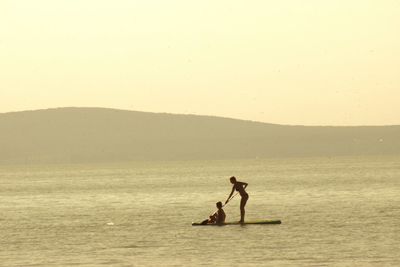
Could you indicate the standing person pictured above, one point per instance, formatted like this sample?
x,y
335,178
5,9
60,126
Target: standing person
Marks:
x,y
240,187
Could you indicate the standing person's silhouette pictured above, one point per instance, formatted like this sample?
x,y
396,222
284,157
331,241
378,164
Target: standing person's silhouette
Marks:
x,y
240,187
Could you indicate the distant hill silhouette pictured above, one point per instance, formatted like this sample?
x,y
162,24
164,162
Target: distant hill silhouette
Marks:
x,y
83,135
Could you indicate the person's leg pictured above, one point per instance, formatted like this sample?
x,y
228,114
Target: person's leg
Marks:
x,y
204,222
243,202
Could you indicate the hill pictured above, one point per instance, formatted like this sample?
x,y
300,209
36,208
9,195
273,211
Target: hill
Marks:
x,y
83,135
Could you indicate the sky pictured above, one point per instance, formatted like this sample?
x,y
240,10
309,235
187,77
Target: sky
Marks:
x,y
296,62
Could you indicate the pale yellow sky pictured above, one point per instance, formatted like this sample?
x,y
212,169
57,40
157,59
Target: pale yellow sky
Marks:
x,y
310,62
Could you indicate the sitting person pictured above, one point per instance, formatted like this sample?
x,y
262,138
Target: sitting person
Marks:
x,y
218,217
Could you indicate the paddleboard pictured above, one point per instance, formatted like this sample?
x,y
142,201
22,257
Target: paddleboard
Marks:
x,y
238,223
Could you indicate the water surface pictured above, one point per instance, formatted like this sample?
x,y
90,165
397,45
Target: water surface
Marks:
x,y
335,212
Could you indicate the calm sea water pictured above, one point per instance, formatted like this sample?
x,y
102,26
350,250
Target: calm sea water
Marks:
x,y
335,212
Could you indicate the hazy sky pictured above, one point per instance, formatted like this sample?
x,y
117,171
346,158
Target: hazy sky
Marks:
x,y
312,62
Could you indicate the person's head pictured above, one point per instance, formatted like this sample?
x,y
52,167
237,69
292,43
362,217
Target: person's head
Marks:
x,y
233,179
219,205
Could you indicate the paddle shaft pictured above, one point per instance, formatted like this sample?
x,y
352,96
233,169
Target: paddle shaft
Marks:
x,y
230,199
226,202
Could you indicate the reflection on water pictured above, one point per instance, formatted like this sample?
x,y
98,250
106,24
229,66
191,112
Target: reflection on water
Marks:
x,y
341,212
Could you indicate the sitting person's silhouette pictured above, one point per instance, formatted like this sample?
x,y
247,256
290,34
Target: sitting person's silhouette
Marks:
x,y
218,217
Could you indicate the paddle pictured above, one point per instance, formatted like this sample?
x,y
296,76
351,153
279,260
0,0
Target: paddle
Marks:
x,y
229,200
206,220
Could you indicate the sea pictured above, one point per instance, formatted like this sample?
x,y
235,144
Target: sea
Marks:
x,y
339,211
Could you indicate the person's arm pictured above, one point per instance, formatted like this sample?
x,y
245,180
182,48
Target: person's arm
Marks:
x,y
233,190
214,216
245,185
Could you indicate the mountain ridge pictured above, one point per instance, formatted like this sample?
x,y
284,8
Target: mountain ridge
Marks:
x,y
183,114
84,135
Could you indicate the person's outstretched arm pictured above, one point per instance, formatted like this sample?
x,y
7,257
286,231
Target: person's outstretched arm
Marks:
x,y
233,190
